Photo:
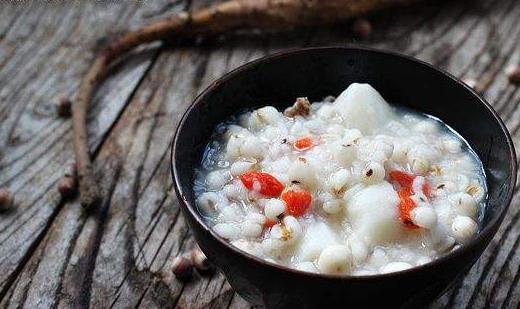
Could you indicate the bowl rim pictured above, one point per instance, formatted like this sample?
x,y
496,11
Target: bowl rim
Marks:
x,y
486,232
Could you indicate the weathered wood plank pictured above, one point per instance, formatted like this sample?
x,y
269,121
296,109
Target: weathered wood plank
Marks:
x,y
46,49
121,256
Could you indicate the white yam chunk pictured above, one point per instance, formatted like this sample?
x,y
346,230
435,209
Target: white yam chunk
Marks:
x,y
373,212
363,108
317,237
335,259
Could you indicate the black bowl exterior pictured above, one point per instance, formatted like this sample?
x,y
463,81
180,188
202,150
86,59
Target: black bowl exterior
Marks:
x,y
316,73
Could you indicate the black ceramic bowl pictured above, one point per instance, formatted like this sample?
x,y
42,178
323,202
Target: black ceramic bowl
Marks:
x,y
315,73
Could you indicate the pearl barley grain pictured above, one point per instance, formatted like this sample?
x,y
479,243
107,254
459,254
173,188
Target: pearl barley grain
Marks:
x,y
251,229
464,205
424,217
420,166
340,179
216,180
241,167
274,208
463,228
333,206
207,202
302,172
373,173
345,153
335,259
227,231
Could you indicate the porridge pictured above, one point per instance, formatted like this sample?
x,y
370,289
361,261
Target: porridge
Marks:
x,y
349,185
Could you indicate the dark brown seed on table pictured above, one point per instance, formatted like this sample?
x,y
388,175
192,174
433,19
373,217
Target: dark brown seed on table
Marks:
x,y
71,170
513,74
6,199
67,187
200,261
182,268
64,108
362,28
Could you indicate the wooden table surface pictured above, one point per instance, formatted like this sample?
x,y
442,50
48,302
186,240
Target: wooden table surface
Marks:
x,y
53,255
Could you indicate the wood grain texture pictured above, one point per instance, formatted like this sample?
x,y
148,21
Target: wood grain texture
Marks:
x,y
53,256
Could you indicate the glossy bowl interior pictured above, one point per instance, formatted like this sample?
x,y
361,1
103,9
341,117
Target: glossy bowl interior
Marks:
x,y
316,73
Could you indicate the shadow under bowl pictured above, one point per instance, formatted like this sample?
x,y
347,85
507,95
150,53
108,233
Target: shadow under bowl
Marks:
x,y
316,73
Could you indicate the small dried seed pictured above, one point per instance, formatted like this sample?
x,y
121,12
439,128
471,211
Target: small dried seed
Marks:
x,y
71,170
362,28
6,199
182,268
64,107
67,187
513,74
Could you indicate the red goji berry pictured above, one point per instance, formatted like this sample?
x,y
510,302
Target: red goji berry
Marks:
x,y
304,143
268,185
297,201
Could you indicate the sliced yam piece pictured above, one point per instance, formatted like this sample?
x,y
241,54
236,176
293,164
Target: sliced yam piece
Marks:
x,y
373,212
363,108
318,236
